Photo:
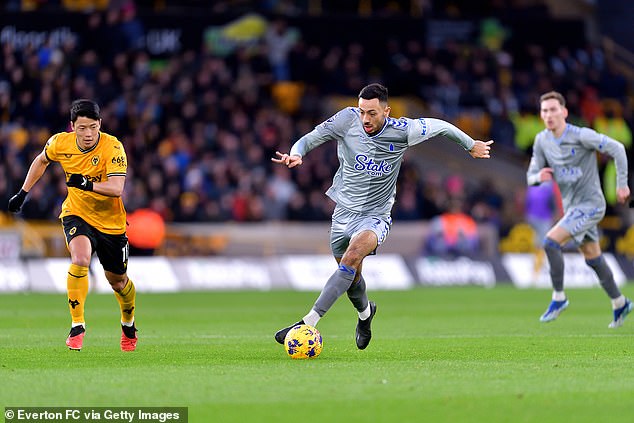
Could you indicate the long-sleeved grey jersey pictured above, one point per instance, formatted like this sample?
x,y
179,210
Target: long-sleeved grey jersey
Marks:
x,y
369,165
573,160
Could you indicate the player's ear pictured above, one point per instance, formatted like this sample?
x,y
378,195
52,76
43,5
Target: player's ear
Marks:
x,y
565,112
387,111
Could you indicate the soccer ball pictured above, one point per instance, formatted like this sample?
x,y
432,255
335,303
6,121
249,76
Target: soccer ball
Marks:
x,y
303,341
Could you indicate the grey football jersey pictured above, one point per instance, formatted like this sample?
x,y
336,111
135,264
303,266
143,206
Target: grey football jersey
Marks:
x,y
369,165
574,162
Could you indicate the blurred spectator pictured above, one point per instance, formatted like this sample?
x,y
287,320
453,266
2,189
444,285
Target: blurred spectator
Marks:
x,y
487,203
590,104
131,27
453,233
280,190
503,130
280,39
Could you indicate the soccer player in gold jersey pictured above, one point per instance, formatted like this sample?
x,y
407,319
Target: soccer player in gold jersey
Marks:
x,y
93,216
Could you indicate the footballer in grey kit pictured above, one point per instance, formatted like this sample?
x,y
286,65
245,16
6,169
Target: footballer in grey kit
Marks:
x,y
370,148
567,154
369,164
573,160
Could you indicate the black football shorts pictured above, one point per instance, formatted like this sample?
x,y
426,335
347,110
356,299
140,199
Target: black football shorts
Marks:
x,y
112,250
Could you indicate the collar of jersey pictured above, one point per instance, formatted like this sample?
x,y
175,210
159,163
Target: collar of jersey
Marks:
x,y
91,148
563,134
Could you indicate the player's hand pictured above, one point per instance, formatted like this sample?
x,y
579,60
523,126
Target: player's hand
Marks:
x,y
15,202
287,160
622,194
546,174
481,149
79,181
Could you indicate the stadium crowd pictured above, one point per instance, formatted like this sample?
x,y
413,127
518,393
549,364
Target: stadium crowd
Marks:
x,y
200,128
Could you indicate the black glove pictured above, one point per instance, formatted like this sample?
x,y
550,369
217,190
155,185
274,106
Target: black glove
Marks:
x,y
15,202
79,181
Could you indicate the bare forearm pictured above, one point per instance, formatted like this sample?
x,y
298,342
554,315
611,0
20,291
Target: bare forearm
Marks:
x,y
113,187
36,170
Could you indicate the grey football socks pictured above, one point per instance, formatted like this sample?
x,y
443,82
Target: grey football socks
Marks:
x,y
358,295
605,275
337,284
556,261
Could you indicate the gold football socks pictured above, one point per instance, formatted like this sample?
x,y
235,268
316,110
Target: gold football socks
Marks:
x,y
77,287
127,298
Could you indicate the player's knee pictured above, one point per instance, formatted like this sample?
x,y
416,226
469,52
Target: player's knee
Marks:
x,y
81,260
117,286
117,283
351,261
551,245
354,255
595,261
352,258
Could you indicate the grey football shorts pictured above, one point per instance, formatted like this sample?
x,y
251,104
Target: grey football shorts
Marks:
x,y
346,224
581,223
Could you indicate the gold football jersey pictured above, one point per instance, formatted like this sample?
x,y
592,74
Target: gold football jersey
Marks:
x,y
105,159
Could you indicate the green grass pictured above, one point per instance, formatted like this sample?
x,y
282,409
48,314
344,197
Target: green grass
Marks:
x,y
438,355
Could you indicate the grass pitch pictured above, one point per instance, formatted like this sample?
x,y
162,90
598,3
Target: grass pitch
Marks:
x,y
437,355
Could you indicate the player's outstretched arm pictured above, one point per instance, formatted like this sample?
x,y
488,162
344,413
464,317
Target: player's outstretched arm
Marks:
x,y
287,160
481,149
36,170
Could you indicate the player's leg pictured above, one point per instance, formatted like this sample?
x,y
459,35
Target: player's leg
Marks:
x,y
357,291
594,258
339,282
80,245
621,306
367,234
342,279
555,238
357,294
113,254
125,293
339,241
366,310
